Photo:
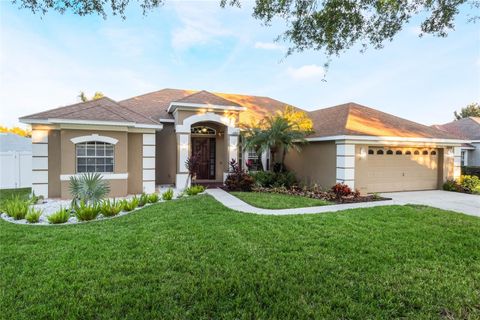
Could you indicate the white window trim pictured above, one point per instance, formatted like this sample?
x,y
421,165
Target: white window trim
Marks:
x,y
94,137
105,176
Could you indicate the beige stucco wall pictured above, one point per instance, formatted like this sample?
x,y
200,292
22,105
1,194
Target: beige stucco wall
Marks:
x,y
54,163
314,164
166,155
134,163
68,158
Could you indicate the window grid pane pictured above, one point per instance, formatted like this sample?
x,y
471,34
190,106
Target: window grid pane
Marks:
x,y
95,157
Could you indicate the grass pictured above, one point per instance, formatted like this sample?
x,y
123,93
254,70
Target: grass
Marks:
x,y
278,201
6,194
193,258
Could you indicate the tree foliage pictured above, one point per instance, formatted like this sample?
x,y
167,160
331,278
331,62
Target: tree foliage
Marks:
x,y
97,95
471,110
329,25
280,132
17,130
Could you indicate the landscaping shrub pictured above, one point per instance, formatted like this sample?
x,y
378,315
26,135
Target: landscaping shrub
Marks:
x,y
110,208
470,184
168,195
471,171
269,179
33,215
16,207
153,198
89,188
130,205
238,179
142,200
451,185
86,212
341,190
194,190
60,216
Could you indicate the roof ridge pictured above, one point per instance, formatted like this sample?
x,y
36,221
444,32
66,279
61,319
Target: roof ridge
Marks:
x,y
155,91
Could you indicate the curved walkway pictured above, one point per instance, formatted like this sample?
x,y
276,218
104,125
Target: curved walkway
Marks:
x,y
453,201
234,203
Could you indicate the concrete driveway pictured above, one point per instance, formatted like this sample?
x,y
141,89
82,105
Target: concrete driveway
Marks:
x,y
454,201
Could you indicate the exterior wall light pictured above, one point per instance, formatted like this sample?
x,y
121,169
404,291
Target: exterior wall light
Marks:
x,y
363,153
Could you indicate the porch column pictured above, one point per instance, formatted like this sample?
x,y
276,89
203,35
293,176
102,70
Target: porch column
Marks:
x,y
346,164
40,162
457,162
183,152
148,163
232,147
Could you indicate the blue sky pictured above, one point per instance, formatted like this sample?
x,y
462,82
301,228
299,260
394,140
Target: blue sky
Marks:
x,y
46,60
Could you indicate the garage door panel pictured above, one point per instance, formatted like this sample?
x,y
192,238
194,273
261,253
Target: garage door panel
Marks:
x,y
398,172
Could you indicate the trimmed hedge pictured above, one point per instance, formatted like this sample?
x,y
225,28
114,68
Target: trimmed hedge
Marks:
x,y
471,171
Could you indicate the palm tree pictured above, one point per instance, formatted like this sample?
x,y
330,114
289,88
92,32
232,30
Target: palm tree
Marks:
x,y
97,95
282,135
254,139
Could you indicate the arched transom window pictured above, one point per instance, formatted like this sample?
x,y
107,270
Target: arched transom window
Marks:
x,y
95,156
203,130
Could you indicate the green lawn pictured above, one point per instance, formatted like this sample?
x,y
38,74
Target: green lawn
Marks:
x,y
278,201
9,193
194,258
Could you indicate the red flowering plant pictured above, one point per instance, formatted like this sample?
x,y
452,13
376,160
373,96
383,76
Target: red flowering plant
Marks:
x,y
341,190
238,179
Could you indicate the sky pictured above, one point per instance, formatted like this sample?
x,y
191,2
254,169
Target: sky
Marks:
x,y
45,61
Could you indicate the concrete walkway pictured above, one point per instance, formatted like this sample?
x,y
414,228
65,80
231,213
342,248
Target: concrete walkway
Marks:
x,y
454,201
235,203
459,202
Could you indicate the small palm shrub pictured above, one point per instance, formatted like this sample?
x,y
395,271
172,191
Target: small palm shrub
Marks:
x,y
16,207
86,212
194,190
130,205
33,215
168,195
153,198
110,208
89,188
271,179
60,216
142,200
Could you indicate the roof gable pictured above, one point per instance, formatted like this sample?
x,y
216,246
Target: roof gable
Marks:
x,y
205,97
355,119
103,109
466,128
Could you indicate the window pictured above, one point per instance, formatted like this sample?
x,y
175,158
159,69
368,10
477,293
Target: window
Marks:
x,y
398,152
94,156
380,152
416,152
408,152
425,152
370,151
433,153
463,158
203,130
252,160
389,152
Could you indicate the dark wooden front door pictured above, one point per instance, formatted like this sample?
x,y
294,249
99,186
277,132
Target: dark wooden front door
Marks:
x,y
205,149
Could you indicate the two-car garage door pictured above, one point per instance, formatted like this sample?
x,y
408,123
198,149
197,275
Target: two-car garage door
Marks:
x,y
398,169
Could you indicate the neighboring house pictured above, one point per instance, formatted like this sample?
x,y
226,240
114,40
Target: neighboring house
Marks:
x,y
144,141
15,161
468,129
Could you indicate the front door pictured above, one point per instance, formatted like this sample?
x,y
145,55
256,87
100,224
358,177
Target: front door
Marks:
x,y
204,148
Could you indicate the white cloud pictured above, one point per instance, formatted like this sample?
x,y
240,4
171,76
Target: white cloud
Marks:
x,y
268,46
200,26
306,72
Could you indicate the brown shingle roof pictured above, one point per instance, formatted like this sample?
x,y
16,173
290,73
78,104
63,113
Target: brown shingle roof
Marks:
x,y
355,119
103,109
466,128
205,97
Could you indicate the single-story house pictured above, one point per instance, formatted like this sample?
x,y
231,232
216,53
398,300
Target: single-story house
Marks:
x,y
144,141
467,129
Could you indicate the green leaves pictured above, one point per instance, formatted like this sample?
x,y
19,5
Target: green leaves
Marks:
x,y
89,188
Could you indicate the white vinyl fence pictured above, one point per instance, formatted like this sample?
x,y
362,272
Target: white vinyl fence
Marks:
x,y
16,169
